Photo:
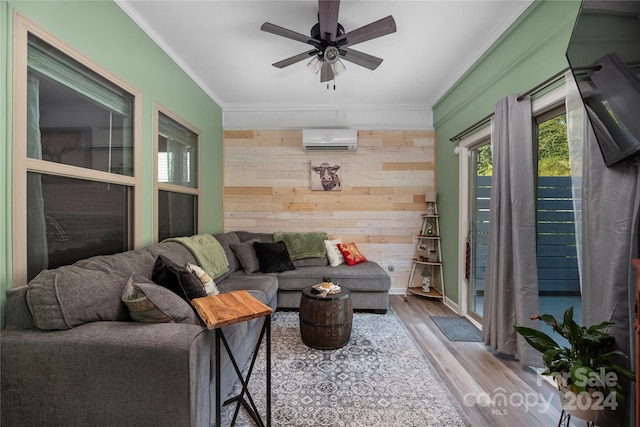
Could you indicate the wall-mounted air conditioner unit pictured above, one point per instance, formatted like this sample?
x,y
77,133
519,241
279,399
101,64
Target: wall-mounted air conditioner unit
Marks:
x,y
330,139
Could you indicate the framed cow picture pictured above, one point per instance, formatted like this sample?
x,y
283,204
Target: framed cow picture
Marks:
x,y
326,176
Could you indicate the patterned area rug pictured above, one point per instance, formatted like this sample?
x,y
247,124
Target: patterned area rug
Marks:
x,y
379,379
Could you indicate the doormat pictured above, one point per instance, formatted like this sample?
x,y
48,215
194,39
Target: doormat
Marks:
x,y
457,328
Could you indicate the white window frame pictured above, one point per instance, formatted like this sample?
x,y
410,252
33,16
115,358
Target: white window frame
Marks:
x,y
165,186
22,164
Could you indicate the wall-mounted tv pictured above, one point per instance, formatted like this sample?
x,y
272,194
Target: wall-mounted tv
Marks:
x,y
604,57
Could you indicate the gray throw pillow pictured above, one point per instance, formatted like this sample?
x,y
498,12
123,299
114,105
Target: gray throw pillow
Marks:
x,y
69,296
246,255
150,303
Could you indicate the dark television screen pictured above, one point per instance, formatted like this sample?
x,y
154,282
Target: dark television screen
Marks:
x,y
604,56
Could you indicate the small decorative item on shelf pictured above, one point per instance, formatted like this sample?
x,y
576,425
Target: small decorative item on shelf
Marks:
x,y
426,280
430,199
421,252
429,228
433,256
430,209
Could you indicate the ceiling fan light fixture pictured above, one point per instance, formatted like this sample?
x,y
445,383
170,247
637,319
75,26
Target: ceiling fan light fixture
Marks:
x,y
331,54
338,67
315,65
331,43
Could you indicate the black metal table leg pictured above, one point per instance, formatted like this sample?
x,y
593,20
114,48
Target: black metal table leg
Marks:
x,y
565,420
244,398
218,397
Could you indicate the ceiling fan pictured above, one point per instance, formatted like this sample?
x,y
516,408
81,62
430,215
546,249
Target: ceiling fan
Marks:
x,y
330,42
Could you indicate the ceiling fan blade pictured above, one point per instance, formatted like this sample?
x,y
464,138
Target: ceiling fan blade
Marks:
x,y
359,58
328,18
280,31
376,29
296,58
326,72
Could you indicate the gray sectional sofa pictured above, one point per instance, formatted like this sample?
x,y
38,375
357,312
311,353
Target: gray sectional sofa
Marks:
x,y
368,282
71,355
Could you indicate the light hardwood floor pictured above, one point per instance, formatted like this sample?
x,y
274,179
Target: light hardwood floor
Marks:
x,y
474,374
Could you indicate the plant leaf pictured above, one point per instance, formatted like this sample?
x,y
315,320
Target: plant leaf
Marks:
x,y
537,339
591,329
620,370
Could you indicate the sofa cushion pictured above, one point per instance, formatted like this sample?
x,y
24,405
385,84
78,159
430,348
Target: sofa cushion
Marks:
x,y
351,253
17,309
310,262
150,303
333,253
262,286
273,257
246,254
73,295
177,279
249,235
364,277
226,240
90,289
303,244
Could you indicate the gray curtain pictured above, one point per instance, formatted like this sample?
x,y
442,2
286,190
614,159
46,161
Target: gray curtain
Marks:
x,y
610,207
609,200
511,290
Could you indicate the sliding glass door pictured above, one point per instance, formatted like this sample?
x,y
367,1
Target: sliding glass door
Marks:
x,y
480,169
557,257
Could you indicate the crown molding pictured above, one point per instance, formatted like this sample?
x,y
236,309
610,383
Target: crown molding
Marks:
x,y
367,116
482,50
326,107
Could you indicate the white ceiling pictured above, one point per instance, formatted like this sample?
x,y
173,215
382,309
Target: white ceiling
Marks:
x,y
220,45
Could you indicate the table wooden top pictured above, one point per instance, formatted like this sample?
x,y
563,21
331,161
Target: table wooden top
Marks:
x,y
229,308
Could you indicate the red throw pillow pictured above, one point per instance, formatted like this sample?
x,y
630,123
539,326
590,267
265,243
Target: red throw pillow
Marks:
x,y
351,254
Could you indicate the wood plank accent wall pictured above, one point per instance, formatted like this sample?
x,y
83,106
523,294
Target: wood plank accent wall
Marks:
x,y
267,188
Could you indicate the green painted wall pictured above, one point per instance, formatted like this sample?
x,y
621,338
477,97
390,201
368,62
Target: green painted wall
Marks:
x,y
531,51
104,33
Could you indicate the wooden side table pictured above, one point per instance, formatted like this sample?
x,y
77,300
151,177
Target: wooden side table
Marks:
x,y
325,322
226,309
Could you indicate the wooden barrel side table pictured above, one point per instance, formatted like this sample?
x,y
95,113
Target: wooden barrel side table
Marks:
x,y
325,323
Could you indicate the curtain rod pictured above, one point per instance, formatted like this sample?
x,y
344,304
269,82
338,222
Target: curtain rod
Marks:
x,y
473,127
544,84
484,120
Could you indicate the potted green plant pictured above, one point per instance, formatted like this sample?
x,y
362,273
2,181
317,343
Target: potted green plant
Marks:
x,y
585,368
